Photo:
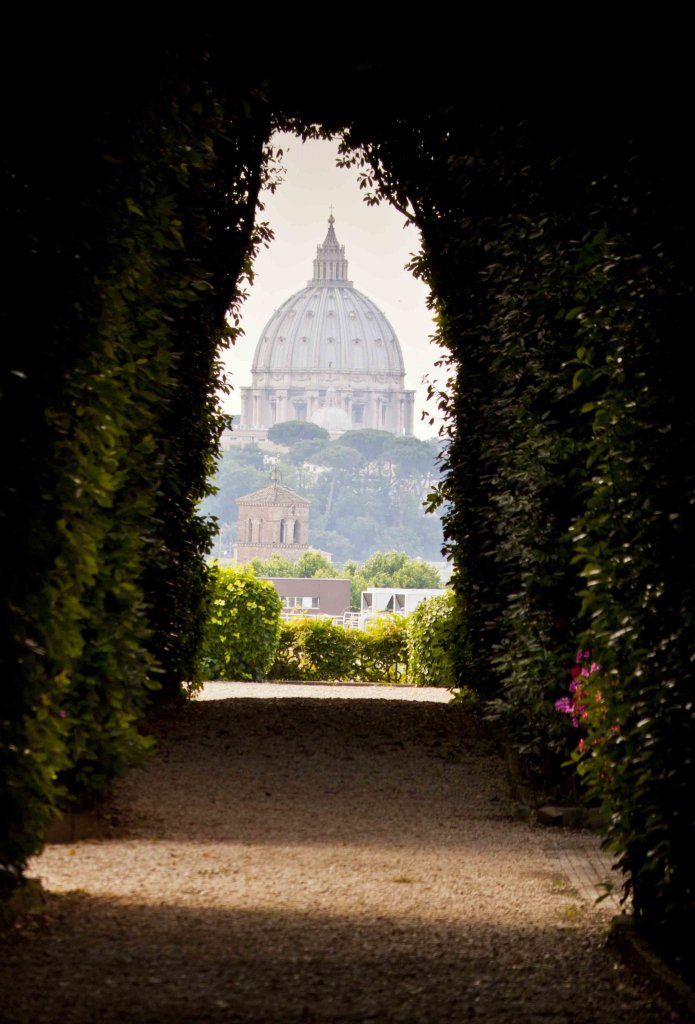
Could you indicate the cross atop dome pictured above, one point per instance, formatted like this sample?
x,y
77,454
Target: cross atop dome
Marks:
x,y
330,265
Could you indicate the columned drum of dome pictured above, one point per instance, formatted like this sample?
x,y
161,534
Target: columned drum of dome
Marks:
x,y
329,355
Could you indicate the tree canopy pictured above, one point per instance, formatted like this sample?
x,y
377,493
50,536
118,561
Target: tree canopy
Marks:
x,y
369,442
310,564
290,432
360,503
389,569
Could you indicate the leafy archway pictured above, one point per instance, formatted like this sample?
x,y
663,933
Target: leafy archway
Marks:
x,y
555,251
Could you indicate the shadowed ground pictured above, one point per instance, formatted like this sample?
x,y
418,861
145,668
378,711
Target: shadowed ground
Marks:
x,y
313,860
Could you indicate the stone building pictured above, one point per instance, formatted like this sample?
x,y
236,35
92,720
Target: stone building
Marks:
x,y
272,521
328,355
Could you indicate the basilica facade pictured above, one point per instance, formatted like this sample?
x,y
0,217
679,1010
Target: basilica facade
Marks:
x,y
272,521
328,355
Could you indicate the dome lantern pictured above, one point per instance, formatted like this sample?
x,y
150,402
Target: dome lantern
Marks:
x,y
330,265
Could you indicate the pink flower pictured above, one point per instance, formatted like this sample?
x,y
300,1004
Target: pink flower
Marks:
x,y
573,705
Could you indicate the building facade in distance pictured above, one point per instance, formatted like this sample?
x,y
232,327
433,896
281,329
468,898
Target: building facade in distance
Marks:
x,y
328,355
272,521
312,596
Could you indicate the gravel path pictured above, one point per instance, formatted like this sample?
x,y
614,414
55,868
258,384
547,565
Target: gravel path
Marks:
x,y
315,860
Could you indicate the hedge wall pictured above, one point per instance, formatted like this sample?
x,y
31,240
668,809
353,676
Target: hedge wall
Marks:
x,y
314,649
556,250
556,245
125,258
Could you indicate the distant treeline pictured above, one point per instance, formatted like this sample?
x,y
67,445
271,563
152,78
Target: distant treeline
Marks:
x,y
367,489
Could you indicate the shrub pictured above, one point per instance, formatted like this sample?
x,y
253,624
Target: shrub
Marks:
x,y
432,634
384,649
312,648
115,420
243,626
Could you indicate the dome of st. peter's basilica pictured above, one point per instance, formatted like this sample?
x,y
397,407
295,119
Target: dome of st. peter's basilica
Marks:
x,y
329,355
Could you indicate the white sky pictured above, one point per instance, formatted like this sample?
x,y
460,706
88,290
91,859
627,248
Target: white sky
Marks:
x,y
377,246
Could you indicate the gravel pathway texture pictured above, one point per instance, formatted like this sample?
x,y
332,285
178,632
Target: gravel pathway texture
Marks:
x,y
328,858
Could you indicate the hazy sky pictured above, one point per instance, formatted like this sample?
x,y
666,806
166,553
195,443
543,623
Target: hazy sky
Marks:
x,y
377,246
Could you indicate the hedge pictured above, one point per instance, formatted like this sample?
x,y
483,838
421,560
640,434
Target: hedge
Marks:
x,y
241,639
128,255
433,637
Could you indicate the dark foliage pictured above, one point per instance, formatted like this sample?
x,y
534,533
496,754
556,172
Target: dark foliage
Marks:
x,y
557,256
135,243
556,243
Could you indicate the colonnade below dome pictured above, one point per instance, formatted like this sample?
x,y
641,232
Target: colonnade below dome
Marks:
x,y
379,408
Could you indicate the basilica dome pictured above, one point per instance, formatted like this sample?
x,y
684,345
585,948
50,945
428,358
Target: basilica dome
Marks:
x,y
329,339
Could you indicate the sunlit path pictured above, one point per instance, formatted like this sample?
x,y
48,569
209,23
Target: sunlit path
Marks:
x,y
338,691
